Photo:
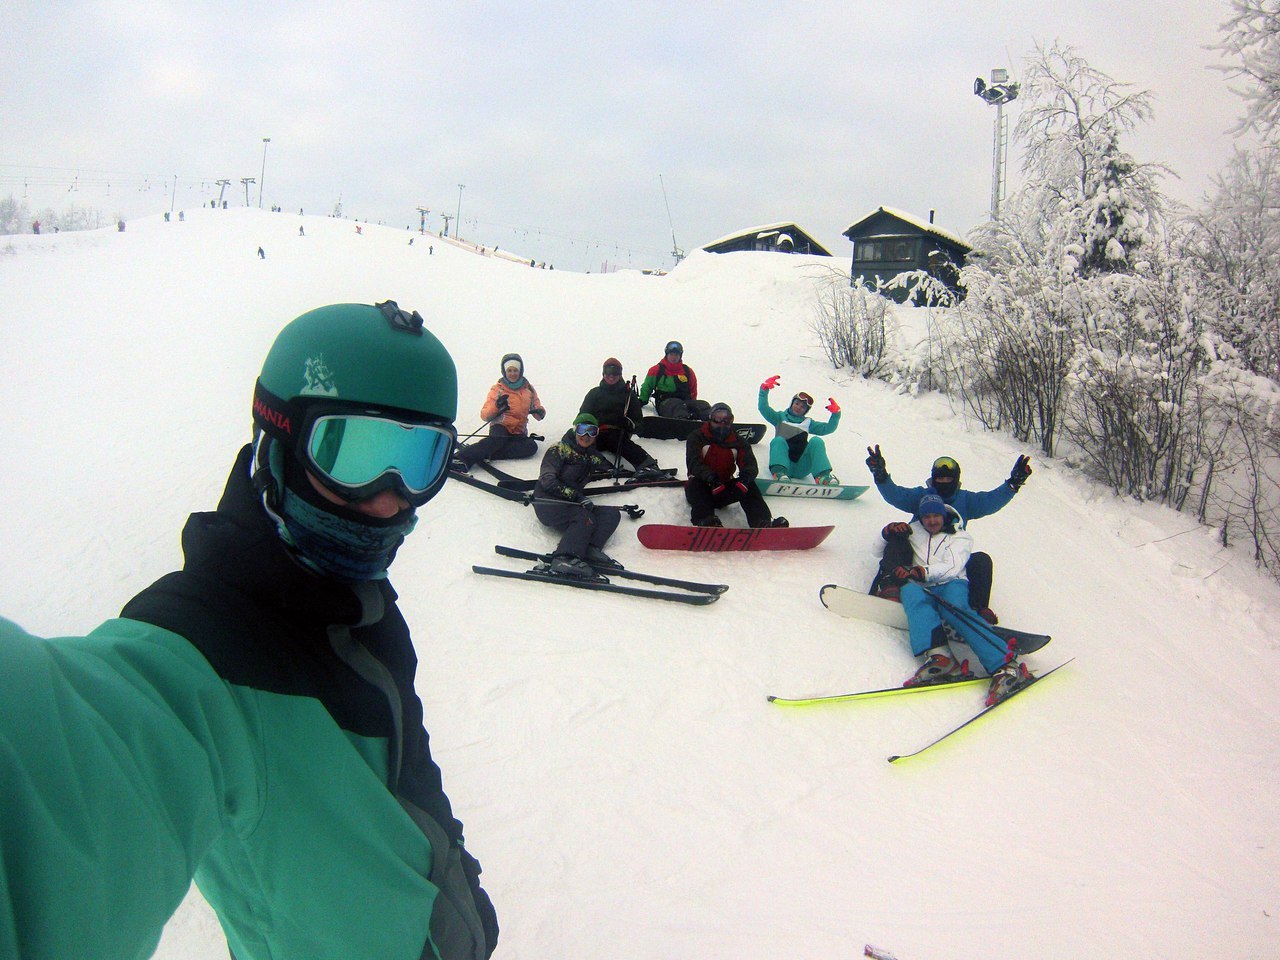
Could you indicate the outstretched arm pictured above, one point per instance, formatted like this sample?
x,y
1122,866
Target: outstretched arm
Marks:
x,y
113,786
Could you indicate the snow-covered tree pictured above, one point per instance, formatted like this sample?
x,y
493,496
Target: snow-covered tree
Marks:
x,y
1234,240
1098,197
1253,41
14,216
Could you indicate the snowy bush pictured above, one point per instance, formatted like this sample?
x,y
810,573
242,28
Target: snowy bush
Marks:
x,y
852,324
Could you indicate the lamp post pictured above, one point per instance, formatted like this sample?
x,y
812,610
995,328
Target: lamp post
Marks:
x,y
263,176
457,220
1000,91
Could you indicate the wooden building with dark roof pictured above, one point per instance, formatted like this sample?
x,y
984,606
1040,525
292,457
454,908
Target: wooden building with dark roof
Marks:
x,y
889,242
772,237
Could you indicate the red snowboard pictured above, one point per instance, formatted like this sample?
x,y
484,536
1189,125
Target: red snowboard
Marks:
x,y
666,536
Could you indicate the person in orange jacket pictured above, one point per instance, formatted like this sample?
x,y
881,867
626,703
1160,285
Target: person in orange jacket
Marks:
x,y
507,409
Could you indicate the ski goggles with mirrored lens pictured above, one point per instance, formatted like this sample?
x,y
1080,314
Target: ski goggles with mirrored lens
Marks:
x,y
674,347
945,466
803,398
357,455
586,429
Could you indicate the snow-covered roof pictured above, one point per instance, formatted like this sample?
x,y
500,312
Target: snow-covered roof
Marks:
x,y
922,225
765,230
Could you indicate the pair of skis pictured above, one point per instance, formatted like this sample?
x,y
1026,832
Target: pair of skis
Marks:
x,y
682,591
896,691
850,603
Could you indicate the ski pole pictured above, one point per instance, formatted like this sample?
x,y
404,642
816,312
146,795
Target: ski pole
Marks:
x,y
486,423
971,619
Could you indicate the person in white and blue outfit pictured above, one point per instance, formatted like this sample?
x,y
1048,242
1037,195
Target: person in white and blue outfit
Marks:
x,y
940,548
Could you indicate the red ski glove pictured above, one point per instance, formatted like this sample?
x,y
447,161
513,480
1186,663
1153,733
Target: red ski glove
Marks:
x,y
910,573
771,382
832,405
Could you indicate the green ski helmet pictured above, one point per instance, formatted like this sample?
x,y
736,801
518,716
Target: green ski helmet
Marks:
x,y
348,370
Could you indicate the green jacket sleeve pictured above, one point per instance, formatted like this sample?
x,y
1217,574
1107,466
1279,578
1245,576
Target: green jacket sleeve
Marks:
x,y
771,415
822,429
112,786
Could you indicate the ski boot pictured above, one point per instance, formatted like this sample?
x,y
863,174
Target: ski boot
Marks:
x,y
827,479
781,475
568,566
598,558
940,666
711,521
649,470
780,522
1009,679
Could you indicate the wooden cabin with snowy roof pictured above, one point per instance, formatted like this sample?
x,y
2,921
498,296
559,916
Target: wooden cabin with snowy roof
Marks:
x,y
889,242
772,237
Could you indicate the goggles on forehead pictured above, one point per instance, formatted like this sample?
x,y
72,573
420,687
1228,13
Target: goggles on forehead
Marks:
x,y
803,398
586,429
357,455
722,419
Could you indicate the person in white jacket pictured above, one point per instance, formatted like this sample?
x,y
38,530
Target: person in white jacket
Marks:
x,y
940,548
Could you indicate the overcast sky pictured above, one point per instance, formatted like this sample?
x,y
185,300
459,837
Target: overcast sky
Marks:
x,y
559,118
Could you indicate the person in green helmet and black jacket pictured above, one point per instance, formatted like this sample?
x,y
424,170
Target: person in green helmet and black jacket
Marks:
x,y
250,721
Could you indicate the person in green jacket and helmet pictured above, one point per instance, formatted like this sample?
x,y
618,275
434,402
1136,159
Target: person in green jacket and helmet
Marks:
x,y
250,721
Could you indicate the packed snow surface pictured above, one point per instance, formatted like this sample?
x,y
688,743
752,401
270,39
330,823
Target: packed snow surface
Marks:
x,y
631,793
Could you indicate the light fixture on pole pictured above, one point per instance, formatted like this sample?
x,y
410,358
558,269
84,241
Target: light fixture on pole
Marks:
x,y
1000,91
457,220
263,176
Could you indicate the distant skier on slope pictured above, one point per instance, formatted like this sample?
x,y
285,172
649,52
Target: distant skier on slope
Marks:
x,y
944,481
674,387
722,470
797,450
558,501
507,409
940,548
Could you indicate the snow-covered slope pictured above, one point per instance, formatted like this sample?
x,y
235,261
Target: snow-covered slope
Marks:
x,y
622,778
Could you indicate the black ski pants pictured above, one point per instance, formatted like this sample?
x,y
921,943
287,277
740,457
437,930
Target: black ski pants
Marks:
x,y
678,408
704,503
579,526
615,441
500,444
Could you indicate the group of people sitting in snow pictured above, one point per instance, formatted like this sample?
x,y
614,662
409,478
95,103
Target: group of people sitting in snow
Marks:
x,y
721,465
933,550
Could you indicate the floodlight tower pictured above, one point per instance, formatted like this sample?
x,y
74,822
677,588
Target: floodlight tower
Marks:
x,y
998,92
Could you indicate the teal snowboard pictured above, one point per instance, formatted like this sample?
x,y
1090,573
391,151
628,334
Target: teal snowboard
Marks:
x,y
808,491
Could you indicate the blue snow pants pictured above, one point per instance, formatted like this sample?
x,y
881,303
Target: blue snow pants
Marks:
x,y
813,461
923,614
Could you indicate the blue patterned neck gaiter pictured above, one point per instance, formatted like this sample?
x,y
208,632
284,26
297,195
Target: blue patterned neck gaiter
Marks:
x,y
347,549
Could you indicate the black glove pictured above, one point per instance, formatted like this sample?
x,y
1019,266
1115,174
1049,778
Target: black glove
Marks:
x,y
1021,470
879,472
503,402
